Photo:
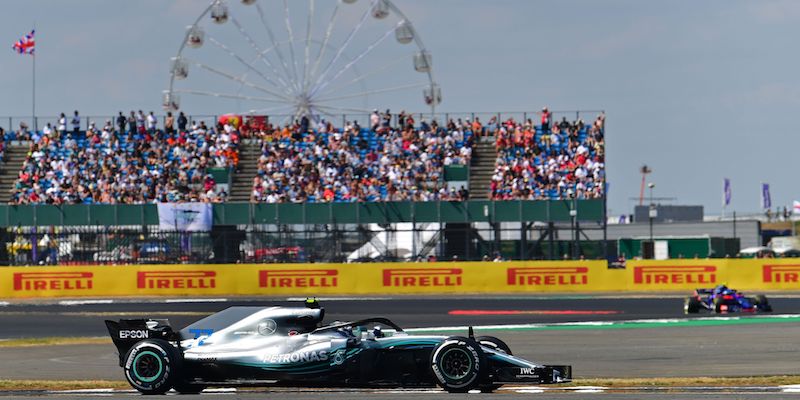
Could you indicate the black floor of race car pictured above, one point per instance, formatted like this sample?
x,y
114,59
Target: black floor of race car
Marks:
x,y
53,319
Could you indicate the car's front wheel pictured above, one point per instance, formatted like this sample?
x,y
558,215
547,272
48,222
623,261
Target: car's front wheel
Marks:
x,y
151,366
458,364
762,303
494,343
499,346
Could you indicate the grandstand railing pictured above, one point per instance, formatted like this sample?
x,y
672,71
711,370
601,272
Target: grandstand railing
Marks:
x,y
313,213
12,122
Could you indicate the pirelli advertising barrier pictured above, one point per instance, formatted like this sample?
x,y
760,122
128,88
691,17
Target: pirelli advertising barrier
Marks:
x,y
395,278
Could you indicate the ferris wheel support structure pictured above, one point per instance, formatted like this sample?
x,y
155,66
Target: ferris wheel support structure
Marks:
x,y
299,80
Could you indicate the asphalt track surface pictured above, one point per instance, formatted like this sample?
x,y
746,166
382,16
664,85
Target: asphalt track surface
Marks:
x,y
693,395
595,352
25,320
512,394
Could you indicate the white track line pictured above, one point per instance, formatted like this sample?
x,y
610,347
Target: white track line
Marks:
x,y
790,388
84,302
665,321
588,389
210,300
541,389
220,390
87,391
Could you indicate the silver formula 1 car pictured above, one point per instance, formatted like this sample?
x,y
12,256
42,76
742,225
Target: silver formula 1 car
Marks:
x,y
289,346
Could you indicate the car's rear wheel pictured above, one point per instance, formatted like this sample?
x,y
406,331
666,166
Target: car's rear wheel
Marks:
x,y
458,364
498,345
691,305
151,366
718,303
762,303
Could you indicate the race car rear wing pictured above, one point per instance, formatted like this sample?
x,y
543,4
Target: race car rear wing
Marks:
x,y
127,332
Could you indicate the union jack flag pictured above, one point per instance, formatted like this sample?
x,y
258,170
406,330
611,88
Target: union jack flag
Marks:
x,y
26,45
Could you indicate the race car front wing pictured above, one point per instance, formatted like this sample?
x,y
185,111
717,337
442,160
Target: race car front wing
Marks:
x,y
543,374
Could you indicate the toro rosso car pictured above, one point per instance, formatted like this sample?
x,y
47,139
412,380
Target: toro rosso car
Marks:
x,y
722,299
289,346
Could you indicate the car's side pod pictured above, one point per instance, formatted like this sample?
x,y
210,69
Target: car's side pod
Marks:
x,y
127,332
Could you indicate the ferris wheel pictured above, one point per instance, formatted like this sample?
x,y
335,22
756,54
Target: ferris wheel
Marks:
x,y
313,59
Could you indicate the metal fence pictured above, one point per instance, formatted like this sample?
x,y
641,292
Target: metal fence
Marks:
x,y
306,232
250,214
115,245
12,123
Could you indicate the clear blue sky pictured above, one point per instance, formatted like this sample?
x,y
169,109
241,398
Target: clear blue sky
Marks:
x,y
699,91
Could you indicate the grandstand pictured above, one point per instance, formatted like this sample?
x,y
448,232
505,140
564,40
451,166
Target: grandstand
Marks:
x,y
539,162
393,160
384,163
131,167
499,190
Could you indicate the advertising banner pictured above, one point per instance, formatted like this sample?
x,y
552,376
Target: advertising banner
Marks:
x,y
397,278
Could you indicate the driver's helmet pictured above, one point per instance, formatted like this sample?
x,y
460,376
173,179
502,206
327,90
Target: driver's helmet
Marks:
x,y
346,331
721,288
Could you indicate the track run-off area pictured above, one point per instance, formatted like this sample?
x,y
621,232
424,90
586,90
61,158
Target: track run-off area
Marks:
x,y
602,337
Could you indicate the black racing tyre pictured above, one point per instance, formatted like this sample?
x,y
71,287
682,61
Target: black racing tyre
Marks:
x,y
691,305
152,366
718,304
762,303
458,364
188,388
498,345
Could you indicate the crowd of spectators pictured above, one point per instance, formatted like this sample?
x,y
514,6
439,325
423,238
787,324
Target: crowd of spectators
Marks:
x,y
137,158
391,159
2,143
551,160
132,162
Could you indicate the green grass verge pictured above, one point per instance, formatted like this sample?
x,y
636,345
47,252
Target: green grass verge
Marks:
x,y
28,385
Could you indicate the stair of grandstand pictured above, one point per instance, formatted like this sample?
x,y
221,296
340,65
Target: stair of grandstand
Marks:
x,y
481,169
243,180
14,157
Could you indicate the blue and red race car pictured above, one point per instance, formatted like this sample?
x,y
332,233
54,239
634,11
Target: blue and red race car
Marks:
x,y
722,299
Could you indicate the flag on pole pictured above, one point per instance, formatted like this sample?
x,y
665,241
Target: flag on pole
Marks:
x,y
766,200
726,192
26,45
796,207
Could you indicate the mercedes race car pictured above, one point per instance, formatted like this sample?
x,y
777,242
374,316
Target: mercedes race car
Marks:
x,y
722,299
289,346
